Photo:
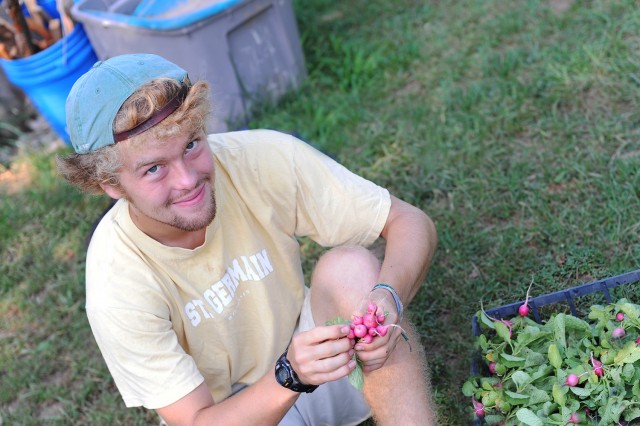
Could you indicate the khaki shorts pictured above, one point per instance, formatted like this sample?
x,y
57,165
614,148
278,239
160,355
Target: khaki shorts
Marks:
x,y
331,404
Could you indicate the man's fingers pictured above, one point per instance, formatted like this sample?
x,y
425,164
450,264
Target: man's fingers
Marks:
x,y
327,369
323,333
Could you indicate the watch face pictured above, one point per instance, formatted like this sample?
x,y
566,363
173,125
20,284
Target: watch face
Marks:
x,y
282,375
287,377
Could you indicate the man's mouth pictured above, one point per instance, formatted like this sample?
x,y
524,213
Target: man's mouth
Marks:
x,y
191,199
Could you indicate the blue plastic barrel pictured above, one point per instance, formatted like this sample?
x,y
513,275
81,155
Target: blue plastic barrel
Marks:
x,y
47,76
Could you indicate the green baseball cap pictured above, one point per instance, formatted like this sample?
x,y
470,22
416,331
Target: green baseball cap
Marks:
x,y
96,97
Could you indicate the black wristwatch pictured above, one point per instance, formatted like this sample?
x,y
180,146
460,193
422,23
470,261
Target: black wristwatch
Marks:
x,y
288,378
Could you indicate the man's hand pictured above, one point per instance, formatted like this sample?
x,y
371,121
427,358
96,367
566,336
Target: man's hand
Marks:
x,y
373,355
322,354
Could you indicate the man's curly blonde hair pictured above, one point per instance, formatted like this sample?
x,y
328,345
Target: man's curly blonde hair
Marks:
x,y
88,171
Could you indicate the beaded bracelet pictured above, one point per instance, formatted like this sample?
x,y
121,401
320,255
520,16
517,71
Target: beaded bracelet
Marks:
x,y
396,298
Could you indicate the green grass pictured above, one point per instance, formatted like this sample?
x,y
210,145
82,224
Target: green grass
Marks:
x,y
514,125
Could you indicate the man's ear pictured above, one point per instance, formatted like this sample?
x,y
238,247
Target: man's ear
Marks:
x,y
112,191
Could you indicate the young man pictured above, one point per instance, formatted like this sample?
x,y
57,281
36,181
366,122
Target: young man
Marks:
x,y
195,290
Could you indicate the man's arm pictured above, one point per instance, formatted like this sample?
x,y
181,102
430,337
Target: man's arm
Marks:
x,y
411,241
318,356
249,406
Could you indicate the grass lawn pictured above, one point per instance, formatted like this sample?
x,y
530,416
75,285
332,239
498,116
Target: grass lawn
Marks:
x,y
513,124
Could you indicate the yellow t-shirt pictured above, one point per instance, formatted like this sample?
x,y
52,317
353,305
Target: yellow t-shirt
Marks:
x,y
166,319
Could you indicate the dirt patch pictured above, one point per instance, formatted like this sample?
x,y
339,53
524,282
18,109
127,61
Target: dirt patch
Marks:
x,y
16,178
15,175
560,6
52,411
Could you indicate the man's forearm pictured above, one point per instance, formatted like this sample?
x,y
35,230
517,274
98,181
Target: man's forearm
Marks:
x,y
411,241
263,403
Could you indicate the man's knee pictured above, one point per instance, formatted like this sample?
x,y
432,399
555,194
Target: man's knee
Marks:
x,y
346,264
341,278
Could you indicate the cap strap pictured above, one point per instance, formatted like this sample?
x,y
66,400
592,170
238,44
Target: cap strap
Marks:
x,y
156,118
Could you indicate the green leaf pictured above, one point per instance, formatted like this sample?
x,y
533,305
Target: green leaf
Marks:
x,y
577,324
630,310
530,335
520,378
356,378
512,361
337,320
534,358
559,330
528,417
493,419
632,414
554,356
542,371
558,395
536,396
518,398
469,388
485,320
549,407
503,331
629,354
616,374
583,392
628,371
599,313
483,342
488,383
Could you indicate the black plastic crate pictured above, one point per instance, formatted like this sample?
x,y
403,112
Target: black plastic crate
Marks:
x,y
563,300
567,297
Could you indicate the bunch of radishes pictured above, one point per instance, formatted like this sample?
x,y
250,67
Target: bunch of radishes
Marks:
x,y
368,326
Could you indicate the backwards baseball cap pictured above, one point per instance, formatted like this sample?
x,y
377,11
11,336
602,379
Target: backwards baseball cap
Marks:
x,y
96,98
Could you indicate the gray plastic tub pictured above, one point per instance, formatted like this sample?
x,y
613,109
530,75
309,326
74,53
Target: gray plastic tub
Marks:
x,y
248,50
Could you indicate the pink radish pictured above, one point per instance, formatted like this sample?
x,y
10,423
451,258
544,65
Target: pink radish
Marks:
x,y
367,338
369,321
620,316
617,333
597,366
574,419
382,330
360,330
478,408
572,380
523,310
366,328
492,367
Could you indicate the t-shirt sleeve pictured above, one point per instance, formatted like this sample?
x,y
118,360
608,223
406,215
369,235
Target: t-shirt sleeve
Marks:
x,y
335,206
292,185
142,353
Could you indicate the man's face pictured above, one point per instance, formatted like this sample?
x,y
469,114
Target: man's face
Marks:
x,y
169,184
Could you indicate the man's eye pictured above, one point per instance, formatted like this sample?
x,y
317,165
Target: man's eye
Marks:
x,y
153,169
192,145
